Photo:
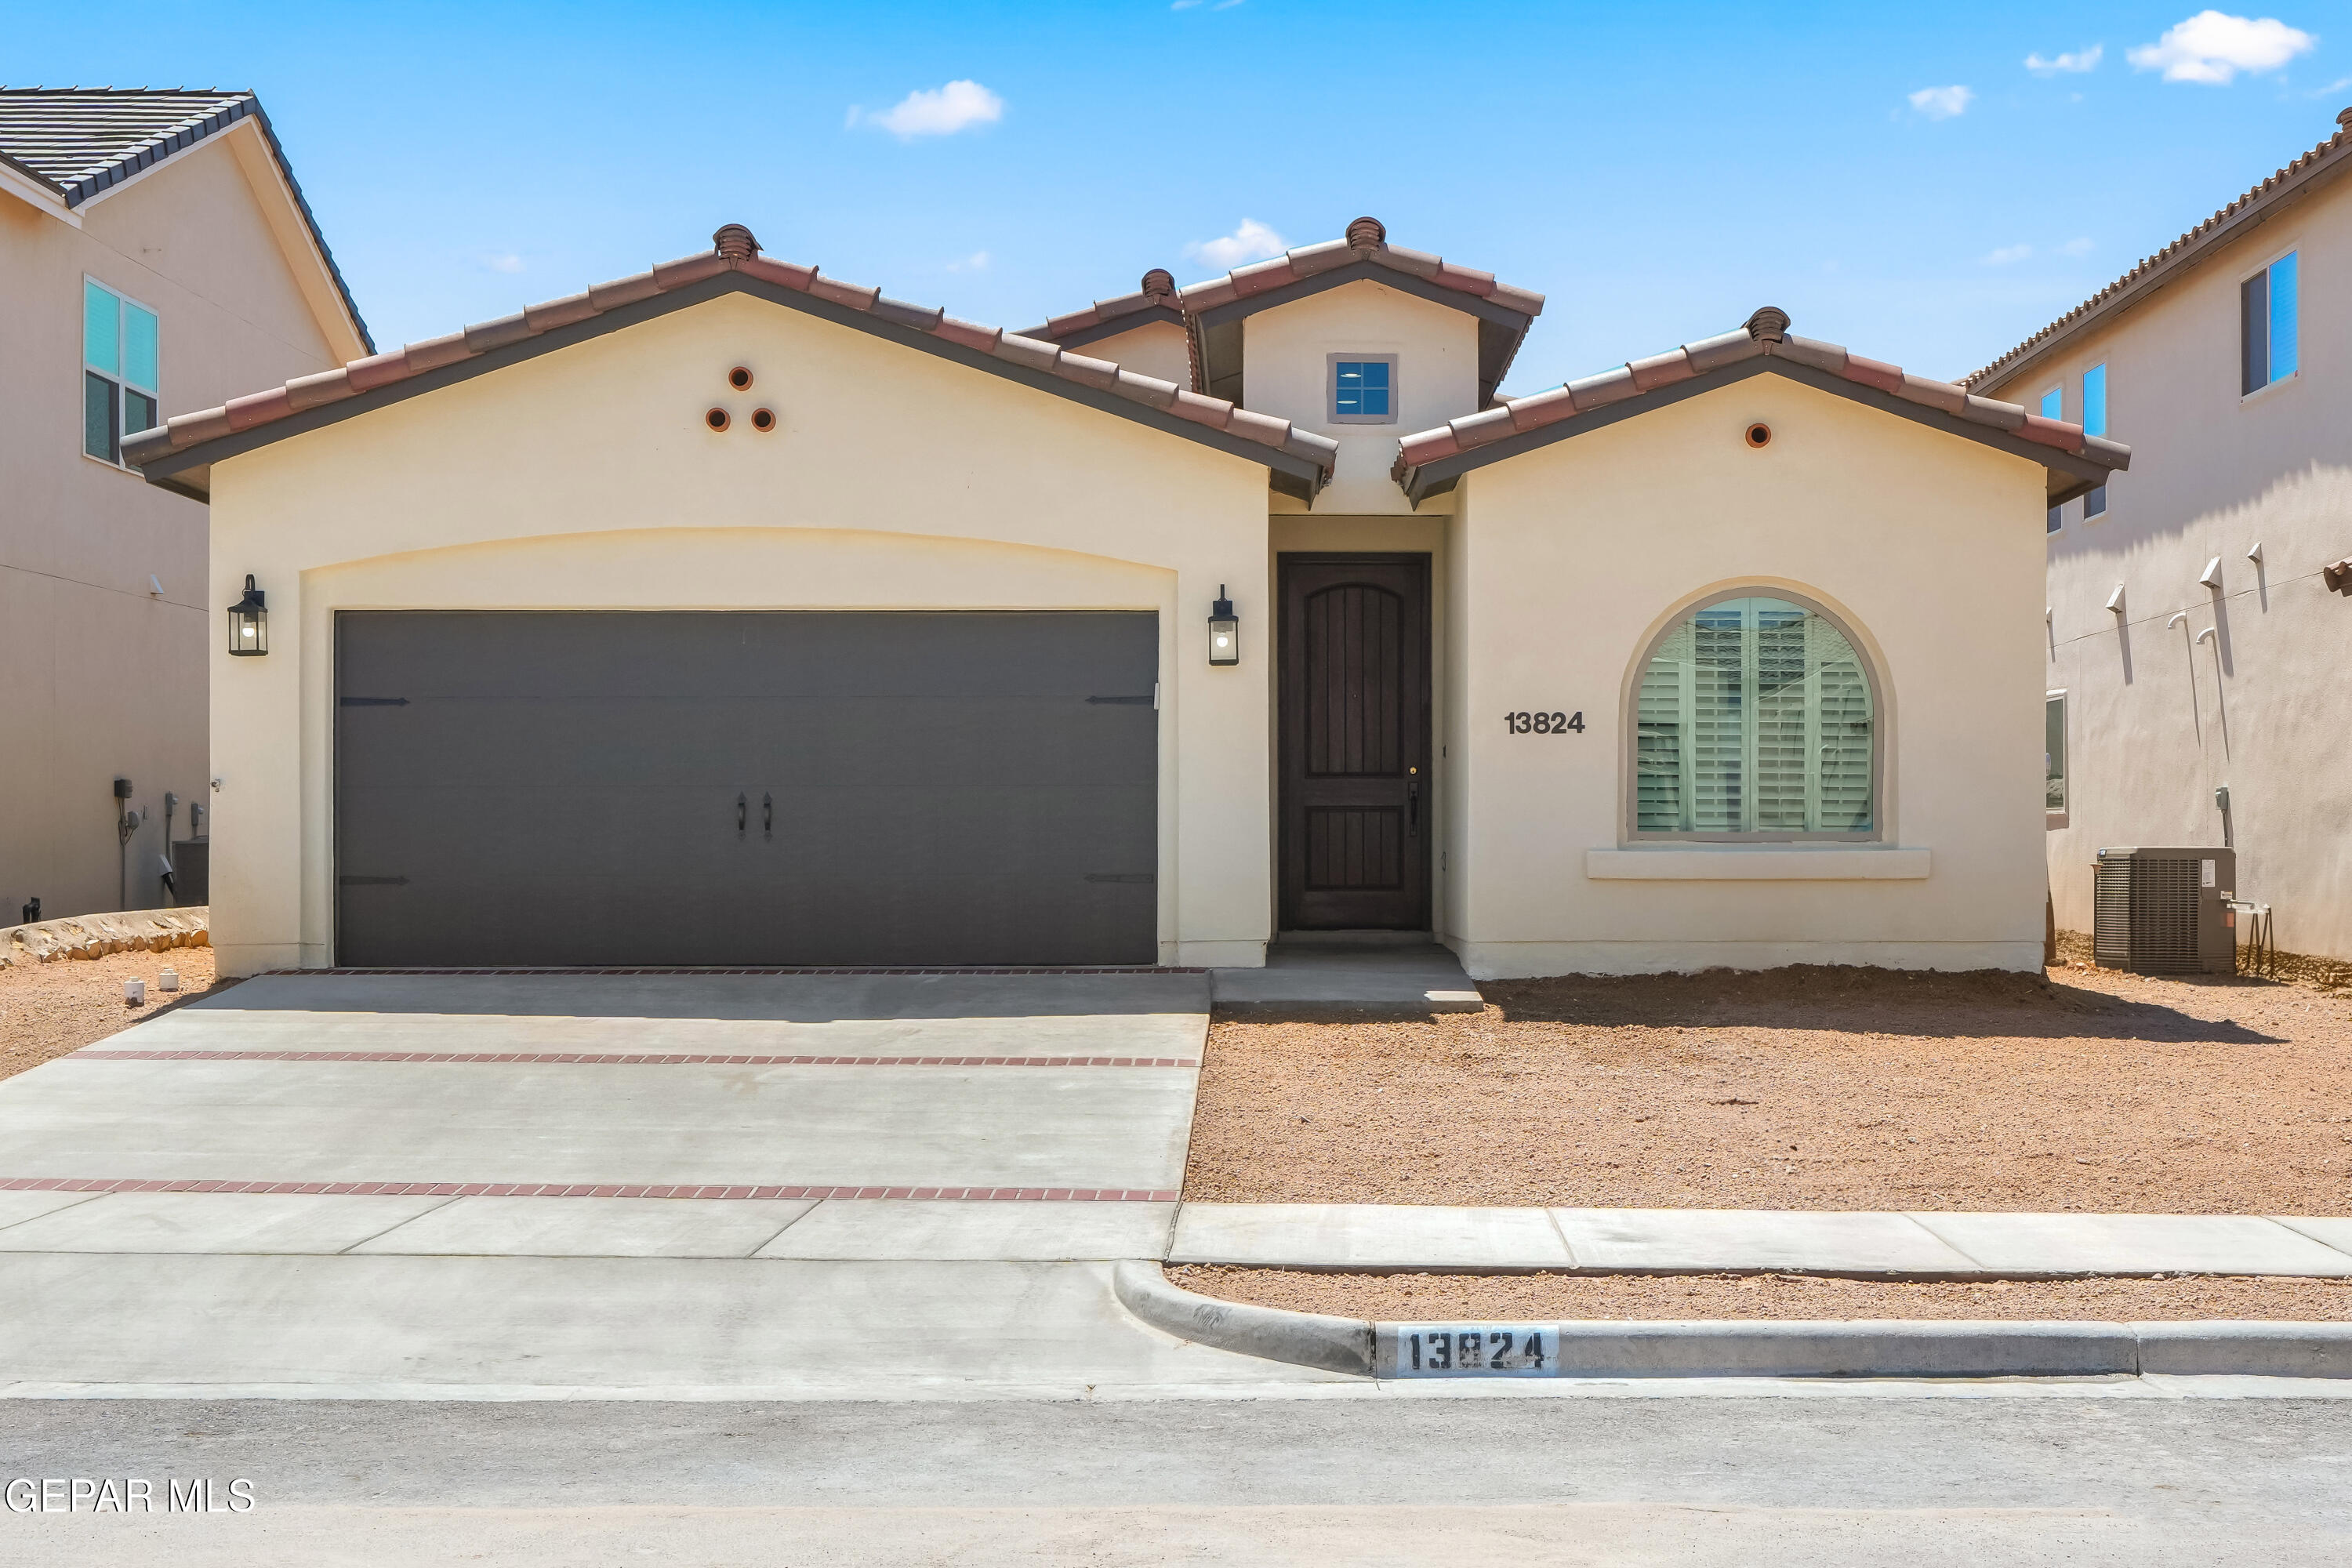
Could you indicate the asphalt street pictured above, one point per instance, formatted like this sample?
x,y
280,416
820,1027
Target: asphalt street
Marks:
x,y
2015,1478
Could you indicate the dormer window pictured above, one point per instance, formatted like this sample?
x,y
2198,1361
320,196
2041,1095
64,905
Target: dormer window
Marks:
x,y
1363,389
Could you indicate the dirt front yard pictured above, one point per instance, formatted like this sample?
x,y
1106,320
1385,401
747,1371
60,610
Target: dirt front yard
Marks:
x,y
48,1009
1799,1088
1421,1298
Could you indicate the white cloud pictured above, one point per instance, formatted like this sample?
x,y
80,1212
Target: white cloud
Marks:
x,y
2007,254
976,262
2079,247
2213,46
1253,241
937,111
505,262
2080,60
1942,103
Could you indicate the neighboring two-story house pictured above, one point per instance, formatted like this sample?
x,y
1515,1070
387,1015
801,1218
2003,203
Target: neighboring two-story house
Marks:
x,y
2201,607
731,613
154,253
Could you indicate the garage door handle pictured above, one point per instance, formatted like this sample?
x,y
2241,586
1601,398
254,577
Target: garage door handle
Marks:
x,y
766,816
1412,801
742,805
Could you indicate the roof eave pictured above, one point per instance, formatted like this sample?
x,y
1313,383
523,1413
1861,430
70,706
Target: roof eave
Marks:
x,y
1513,321
2069,474
187,470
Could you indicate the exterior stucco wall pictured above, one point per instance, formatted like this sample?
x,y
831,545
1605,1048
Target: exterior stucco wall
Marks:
x,y
1573,557
1156,349
586,478
105,677
2156,721
1284,373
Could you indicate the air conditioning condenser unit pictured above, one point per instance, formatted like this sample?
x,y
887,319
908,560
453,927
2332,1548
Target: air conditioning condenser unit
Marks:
x,y
2164,911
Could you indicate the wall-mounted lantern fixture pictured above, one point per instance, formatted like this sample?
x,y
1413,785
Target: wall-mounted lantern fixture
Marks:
x,y
249,623
1224,631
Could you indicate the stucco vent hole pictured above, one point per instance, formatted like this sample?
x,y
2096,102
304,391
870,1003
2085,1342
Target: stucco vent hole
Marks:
x,y
740,378
763,419
715,419
1759,435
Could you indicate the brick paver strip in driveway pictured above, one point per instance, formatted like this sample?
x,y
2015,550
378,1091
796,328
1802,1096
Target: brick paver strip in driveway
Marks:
x,y
735,1086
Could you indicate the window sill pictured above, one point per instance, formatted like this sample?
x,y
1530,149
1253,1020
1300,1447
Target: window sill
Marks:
x,y
2054,820
1740,863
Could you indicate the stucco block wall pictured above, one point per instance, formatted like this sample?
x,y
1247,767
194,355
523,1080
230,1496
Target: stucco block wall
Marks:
x,y
585,478
1571,558
106,677
2157,721
1284,356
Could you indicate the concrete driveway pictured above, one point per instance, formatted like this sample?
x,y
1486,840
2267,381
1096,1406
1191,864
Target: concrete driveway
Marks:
x,y
401,1182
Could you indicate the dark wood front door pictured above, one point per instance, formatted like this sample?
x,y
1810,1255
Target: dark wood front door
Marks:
x,y
1354,722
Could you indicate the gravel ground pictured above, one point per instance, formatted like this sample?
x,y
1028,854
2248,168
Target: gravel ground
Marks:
x,y
1522,1297
48,1009
1798,1088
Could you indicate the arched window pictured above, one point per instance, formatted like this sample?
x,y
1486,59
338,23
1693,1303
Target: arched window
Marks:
x,y
1756,718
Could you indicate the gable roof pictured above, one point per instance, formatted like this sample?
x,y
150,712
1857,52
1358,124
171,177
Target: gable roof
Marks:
x,y
1433,460
2305,175
1154,301
80,143
179,455
1215,308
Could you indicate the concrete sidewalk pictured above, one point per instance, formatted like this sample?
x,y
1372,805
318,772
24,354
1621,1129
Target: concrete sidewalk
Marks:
x,y
1371,1237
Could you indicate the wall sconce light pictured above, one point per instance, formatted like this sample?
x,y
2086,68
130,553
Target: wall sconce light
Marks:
x,y
1224,631
2116,600
249,623
2211,577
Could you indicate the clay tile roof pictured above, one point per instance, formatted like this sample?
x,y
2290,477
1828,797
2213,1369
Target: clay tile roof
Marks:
x,y
1154,300
176,447
1306,261
2317,167
79,142
1506,309
1431,460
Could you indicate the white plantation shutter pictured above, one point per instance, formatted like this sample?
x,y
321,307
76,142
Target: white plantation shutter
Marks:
x,y
1754,716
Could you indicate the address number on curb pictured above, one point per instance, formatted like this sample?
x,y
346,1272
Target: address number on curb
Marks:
x,y
1468,1349
1552,723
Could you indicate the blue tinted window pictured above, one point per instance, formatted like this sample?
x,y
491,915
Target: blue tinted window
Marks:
x,y
2283,316
102,330
2094,401
1361,387
2053,404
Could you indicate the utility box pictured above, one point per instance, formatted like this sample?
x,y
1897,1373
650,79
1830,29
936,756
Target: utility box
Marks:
x,y
2164,911
192,865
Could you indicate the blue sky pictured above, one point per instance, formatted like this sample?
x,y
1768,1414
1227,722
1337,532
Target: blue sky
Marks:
x,y
1658,171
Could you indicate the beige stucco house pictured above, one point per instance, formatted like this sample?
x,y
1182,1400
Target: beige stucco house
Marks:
x,y
154,253
2199,608
731,614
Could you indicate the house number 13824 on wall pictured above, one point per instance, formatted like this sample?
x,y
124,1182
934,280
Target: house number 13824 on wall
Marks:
x,y
1544,723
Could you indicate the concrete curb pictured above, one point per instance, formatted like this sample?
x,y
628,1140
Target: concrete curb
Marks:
x,y
1303,1339
1858,1347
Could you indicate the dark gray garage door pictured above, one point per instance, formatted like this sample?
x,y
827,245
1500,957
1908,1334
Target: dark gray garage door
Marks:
x,y
804,788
